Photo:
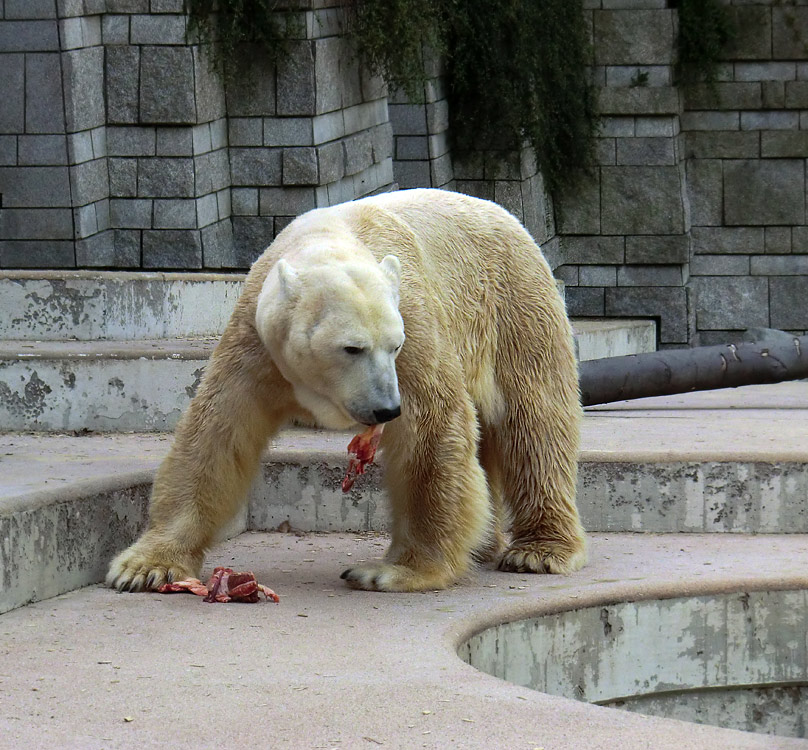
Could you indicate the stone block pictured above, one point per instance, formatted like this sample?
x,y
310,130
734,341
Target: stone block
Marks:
x,y
89,182
158,29
288,131
125,251
752,39
628,75
331,162
42,150
645,151
657,249
245,131
768,71
296,93
224,202
176,141
12,93
36,224
99,251
641,200
83,73
167,6
705,185
29,9
291,201
579,207
212,172
123,84
200,136
780,265
597,276
300,166
122,178
569,275
439,143
585,302
251,236
80,32
666,126
175,214
415,174
634,37
131,141
358,152
704,120
244,201
130,214
328,81
734,95
165,177
790,33
770,120
731,302
652,275
85,221
727,240
719,265
412,148
37,254
639,100
773,94
799,240
253,93
256,166
172,248
217,246
208,87
44,102
593,250
167,85
29,36
207,210
796,94
668,304
787,300
722,145
8,150
478,188
784,144
115,30
778,240
365,116
408,119
127,6
35,187
441,172
327,127
764,192
619,127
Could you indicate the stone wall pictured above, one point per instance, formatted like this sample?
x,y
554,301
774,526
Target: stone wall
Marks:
x,y
122,146
696,214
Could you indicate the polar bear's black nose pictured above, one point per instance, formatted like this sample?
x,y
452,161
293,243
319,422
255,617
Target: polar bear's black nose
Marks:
x,y
385,415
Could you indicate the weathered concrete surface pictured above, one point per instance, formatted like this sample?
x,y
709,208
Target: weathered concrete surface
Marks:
x,y
331,667
89,305
695,658
596,339
658,468
107,386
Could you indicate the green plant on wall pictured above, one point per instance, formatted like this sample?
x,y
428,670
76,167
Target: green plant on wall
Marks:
x,y
705,28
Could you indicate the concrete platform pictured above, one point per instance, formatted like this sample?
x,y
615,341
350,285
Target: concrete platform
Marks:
x,y
329,667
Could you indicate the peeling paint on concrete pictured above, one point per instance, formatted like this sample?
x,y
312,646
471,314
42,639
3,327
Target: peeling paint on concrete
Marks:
x,y
725,659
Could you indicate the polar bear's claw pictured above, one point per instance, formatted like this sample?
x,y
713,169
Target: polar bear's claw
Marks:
x,y
543,557
388,577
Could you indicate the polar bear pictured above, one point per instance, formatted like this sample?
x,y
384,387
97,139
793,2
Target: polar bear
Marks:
x,y
432,312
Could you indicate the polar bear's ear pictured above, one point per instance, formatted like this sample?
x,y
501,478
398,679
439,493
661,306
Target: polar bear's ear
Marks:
x,y
288,279
391,268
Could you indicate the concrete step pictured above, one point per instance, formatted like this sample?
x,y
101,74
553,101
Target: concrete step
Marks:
x,y
114,305
103,386
145,384
704,463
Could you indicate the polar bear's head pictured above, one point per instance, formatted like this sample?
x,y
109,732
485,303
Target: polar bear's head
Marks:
x,y
334,330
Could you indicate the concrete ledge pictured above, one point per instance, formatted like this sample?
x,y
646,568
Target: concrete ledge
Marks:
x,y
599,338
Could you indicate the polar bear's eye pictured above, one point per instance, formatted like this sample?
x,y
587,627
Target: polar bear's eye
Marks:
x,y
353,350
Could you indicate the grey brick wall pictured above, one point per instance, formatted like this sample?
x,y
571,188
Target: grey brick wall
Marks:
x,y
122,147
696,214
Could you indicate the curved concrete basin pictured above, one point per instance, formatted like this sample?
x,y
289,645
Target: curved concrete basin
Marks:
x,y
737,660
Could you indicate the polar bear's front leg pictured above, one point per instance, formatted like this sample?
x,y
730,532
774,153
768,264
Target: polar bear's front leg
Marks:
x,y
440,503
206,475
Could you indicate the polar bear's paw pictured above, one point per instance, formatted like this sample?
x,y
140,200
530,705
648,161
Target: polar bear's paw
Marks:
x,y
141,568
387,577
544,557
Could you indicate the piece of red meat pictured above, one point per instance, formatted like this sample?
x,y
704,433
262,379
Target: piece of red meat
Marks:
x,y
225,585
363,447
